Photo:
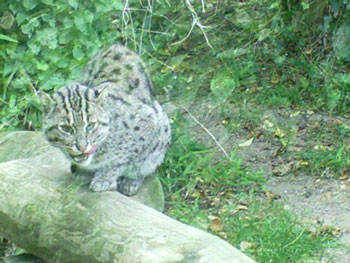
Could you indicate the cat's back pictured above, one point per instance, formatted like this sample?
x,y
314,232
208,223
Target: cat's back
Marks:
x,y
121,68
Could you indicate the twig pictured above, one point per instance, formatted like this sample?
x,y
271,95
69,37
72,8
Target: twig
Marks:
x,y
195,22
207,131
188,34
203,6
160,62
155,32
126,17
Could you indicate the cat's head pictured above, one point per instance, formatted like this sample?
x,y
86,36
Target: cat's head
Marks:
x,y
75,120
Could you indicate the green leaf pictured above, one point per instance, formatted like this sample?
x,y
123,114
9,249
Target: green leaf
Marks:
x,y
20,83
341,42
30,4
336,5
53,55
65,36
74,3
280,59
263,34
62,63
82,21
47,2
76,70
81,24
222,86
52,81
78,53
88,16
7,38
9,68
243,19
68,22
117,5
50,20
21,17
34,45
48,37
30,26
343,78
42,66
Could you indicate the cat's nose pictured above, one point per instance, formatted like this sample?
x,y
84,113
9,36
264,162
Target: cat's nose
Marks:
x,y
82,148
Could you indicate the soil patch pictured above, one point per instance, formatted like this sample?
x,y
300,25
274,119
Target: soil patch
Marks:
x,y
317,199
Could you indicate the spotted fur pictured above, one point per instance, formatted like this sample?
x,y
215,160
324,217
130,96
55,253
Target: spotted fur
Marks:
x,y
109,124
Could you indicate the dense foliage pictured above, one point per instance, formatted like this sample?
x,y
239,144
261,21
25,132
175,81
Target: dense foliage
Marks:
x,y
293,52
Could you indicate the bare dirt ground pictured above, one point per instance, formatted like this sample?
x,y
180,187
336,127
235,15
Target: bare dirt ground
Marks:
x,y
315,199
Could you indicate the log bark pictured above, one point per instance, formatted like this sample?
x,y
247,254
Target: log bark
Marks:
x,y
44,210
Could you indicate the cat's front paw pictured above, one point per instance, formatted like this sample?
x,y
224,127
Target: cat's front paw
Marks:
x,y
103,184
129,187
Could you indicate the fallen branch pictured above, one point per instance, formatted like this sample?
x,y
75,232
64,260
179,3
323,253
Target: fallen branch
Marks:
x,y
45,211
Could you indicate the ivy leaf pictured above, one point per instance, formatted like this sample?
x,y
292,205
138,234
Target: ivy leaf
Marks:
x,y
65,36
48,37
20,18
82,21
78,53
341,42
336,5
68,22
9,68
117,5
53,55
30,4
73,3
52,81
47,2
29,27
34,45
62,63
42,66
222,86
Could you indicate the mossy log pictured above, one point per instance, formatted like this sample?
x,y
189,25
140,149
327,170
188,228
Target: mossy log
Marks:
x,y
44,210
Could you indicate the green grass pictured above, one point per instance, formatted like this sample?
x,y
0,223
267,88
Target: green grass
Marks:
x,y
226,198
274,234
329,163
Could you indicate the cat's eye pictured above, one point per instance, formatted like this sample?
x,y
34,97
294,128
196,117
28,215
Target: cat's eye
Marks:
x,y
67,129
92,126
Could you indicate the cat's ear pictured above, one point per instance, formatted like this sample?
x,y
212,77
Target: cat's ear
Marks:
x,y
101,91
46,101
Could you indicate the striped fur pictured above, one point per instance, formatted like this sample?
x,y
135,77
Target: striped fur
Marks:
x,y
110,125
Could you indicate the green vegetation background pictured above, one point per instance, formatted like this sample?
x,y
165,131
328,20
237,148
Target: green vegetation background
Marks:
x,y
280,54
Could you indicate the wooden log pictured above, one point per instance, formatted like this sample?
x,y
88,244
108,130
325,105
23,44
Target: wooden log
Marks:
x,y
48,213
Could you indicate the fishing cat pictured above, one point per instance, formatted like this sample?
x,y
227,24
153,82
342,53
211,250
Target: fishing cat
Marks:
x,y
109,124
